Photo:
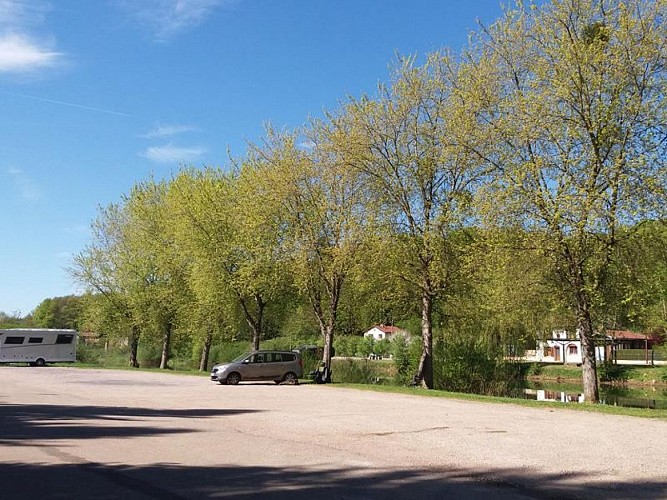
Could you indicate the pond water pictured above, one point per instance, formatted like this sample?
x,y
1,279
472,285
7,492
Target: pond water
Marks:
x,y
643,397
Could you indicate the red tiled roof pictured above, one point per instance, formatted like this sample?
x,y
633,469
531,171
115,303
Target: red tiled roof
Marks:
x,y
388,329
626,335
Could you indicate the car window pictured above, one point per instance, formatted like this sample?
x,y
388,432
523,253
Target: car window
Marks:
x,y
258,358
64,339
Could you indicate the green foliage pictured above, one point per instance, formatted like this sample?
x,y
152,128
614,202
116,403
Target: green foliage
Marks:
x,y
348,345
222,353
14,321
470,365
611,372
535,370
89,355
96,355
405,355
58,312
362,371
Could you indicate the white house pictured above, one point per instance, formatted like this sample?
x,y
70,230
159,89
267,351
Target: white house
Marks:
x,y
563,347
381,332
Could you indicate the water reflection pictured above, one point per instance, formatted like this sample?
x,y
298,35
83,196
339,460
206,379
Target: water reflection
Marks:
x,y
614,396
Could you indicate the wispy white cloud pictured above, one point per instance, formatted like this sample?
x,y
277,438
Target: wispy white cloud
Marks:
x,y
165,19
22,12
25,186
170,130
19,54
173,154
21,51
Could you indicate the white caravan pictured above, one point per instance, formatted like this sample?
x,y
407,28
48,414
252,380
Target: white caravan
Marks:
x,y
37,346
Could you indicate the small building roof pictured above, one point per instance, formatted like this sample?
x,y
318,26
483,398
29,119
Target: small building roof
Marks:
x,y
390,330
626,335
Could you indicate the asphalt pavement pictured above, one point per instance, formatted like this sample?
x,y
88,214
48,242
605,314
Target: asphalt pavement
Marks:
x,y
104,434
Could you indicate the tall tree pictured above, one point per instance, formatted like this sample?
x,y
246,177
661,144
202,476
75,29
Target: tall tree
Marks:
x,y
320,202
575,98
404,144
99,268
232,241
156,268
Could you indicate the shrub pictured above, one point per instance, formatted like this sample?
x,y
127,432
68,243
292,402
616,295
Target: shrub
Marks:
x,y
361,371
347,345
470,365
406,358
89,354
610,372
535,369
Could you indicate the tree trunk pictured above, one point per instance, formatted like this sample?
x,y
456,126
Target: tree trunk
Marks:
x,y
328,330
257,330
328,344
166,345
589,367
134,347
206,350
424,375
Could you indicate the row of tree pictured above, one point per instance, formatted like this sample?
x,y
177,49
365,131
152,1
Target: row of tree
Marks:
x,y
496,189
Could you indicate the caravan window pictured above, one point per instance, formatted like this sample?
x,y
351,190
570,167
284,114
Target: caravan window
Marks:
x,y
14,340
64,339
35,340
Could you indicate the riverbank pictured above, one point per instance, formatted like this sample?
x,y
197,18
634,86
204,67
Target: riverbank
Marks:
x,y
636,376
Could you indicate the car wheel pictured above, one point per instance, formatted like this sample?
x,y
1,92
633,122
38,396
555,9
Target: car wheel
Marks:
x,y
233,378
40,362
290,378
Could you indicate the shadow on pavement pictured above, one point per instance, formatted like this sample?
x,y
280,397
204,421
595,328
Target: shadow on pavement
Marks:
x,y
25,424
171,482
37,425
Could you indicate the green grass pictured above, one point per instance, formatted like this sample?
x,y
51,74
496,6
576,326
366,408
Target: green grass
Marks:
x,y
637,374
592,408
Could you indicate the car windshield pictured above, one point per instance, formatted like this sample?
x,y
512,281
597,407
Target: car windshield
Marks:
x,y
240,358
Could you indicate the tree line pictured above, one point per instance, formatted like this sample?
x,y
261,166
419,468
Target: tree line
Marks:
x,y
501,191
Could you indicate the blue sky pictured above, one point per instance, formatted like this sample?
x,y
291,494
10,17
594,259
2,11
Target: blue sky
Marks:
x,y
98,95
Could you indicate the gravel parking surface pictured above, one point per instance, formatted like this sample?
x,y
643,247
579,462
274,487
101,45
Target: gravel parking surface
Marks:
x,y
73,433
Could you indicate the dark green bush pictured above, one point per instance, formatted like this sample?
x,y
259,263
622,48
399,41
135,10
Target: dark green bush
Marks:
x,y
610,372
361,371
535,369
470,365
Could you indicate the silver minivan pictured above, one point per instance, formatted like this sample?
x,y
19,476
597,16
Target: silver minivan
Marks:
x,y
279,366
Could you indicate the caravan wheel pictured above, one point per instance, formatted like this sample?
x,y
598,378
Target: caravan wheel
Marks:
x,y
40,362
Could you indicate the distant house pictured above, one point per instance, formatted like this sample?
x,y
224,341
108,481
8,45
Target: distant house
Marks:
x,y
382,332
563,347
625,339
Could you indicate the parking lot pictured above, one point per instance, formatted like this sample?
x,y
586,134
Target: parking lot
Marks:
x,y
74,433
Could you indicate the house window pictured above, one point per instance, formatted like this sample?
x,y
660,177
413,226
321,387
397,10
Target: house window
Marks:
x,y
14,340
572,349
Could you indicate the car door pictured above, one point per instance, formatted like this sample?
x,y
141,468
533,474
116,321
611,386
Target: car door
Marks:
x,y
252,369
274,366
